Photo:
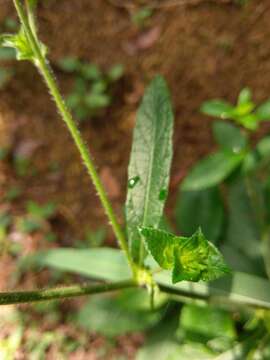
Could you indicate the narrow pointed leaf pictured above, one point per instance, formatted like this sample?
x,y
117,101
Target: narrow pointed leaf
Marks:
x,y
150,164
191,259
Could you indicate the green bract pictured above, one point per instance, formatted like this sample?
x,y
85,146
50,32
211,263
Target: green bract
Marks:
x,y
190,258
20,43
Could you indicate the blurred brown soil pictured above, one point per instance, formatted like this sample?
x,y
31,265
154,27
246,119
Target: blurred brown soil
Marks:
x,y
205,50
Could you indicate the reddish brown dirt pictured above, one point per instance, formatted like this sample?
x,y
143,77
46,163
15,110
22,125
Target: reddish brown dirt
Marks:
x,y
206,50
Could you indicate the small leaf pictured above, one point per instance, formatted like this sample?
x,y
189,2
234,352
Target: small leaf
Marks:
x,y
97,101
116,72
20,43
91,72
211,170
263,111
69,64
244,96
249,121
191,259
43,212
217,108
229,137
243,109
149,163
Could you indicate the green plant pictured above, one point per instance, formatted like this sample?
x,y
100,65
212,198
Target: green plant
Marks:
x,y
132,268
227,194
92,91
148,182
244,113
241,171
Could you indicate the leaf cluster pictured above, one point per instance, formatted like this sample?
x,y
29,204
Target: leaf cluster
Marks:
x,y
92,90
244,113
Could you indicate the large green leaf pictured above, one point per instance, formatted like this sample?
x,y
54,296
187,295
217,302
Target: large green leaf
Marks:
x,y
192,258
229,137
101,263
150,163
203,209
211,171
110,265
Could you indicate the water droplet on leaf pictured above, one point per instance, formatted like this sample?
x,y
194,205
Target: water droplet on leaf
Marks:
x,y
133,182
163,194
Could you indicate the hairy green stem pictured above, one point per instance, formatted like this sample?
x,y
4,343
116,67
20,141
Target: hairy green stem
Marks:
x,y
47,74
19,297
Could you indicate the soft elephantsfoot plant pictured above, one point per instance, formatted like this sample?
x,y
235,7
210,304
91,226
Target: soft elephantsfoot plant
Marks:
x,y
191,258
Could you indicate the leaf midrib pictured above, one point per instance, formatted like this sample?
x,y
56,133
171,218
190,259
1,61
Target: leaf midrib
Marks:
x,y
148,187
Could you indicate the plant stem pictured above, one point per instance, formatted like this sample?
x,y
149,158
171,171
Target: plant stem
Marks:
x,y
47,74
18,297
